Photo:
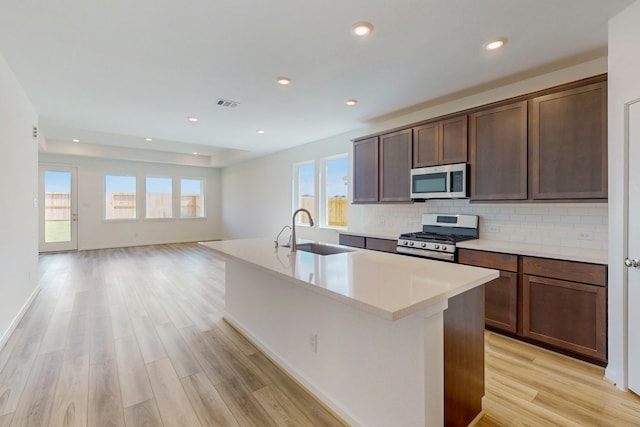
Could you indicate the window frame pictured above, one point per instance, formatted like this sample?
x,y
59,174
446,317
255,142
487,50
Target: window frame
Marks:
x,y
104,198
202,195
296,190
323,199
146,202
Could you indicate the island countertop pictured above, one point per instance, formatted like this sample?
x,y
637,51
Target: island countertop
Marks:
x,y
388,285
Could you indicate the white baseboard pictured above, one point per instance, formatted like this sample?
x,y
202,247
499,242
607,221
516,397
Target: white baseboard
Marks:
x,y
18,318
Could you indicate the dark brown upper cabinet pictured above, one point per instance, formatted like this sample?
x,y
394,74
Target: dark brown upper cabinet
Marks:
x,y
498,152
365,170
440,143
381,166
395,166
569,144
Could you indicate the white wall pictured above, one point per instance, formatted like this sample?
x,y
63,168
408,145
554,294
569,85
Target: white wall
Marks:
x,y
624,86
18,216
257,194
94,232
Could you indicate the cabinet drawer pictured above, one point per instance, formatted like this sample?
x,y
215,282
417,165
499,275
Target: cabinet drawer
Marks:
x,y
351,240
593,274
384,245
494,260
568,315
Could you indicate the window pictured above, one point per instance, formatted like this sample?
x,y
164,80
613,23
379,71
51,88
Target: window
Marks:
x,y
304,190
159,197
191,198
57,206
120,197
335,204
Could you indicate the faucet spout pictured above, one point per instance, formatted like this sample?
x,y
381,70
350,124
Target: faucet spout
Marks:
x,y
293,226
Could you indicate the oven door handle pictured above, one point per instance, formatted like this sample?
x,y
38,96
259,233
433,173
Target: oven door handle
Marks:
x,y
424,253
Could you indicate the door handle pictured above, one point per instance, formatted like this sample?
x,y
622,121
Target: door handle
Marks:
x,y
632,262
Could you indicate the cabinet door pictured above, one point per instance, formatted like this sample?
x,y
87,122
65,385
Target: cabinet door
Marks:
x,y
454,140
426,145
568,315
569,144
440,143
501,302
498,153
351,240
395,166
384,245
501,294
365,170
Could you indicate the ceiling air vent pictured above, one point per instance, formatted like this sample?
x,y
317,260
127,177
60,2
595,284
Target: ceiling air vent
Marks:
x,y
226,103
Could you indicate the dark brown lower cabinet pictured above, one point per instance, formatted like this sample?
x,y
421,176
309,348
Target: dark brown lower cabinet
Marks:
x,y
351,240
501,302
567,315
373,243
501,294
558,304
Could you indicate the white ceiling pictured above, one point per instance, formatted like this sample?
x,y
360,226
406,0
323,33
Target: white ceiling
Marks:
x,y
112,72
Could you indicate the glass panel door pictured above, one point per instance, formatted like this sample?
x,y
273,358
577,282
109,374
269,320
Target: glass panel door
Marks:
x,y
58,211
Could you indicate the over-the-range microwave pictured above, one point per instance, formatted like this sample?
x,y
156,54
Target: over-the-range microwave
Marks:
x,y
440,182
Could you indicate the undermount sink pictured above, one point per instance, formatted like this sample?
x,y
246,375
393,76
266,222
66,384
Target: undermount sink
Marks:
x,y
320,249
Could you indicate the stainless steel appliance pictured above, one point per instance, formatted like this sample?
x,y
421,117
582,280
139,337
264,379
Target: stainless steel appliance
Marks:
x,y
439,235
440,182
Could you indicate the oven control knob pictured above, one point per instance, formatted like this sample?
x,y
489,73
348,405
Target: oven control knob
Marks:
x,y
410,243
444,248
436,247
424,245
404,243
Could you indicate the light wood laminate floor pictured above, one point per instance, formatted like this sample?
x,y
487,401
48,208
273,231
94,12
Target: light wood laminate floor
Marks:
x,y
135,337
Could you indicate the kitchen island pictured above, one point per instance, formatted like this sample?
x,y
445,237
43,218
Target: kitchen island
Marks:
x,y
381,339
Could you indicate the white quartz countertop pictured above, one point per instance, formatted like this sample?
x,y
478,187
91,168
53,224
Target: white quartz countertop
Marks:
x,y
544,251
388,285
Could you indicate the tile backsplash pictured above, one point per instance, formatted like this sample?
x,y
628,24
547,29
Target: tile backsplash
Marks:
x,y
581,225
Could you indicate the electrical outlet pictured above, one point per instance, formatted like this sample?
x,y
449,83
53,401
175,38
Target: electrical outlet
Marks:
x,y
585,235
313,343
493,229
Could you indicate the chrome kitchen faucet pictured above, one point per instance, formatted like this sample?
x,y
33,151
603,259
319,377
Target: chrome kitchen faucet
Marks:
x,y
293,226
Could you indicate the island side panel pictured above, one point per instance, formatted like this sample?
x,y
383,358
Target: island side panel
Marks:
x,y
464,357
370,371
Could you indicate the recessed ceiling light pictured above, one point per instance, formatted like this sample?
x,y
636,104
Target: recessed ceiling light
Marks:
x,y
495,44
260,131
351,102
192,119
283,81
362,28
195,153
148,139
75,140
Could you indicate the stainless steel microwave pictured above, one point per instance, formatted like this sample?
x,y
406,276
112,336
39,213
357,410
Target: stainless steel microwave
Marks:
x,y
440,182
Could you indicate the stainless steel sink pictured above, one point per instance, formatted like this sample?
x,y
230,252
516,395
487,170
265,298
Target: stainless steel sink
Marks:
x,y
320,249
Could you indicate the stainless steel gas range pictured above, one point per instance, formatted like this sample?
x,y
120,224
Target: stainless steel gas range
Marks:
x,y
439,235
